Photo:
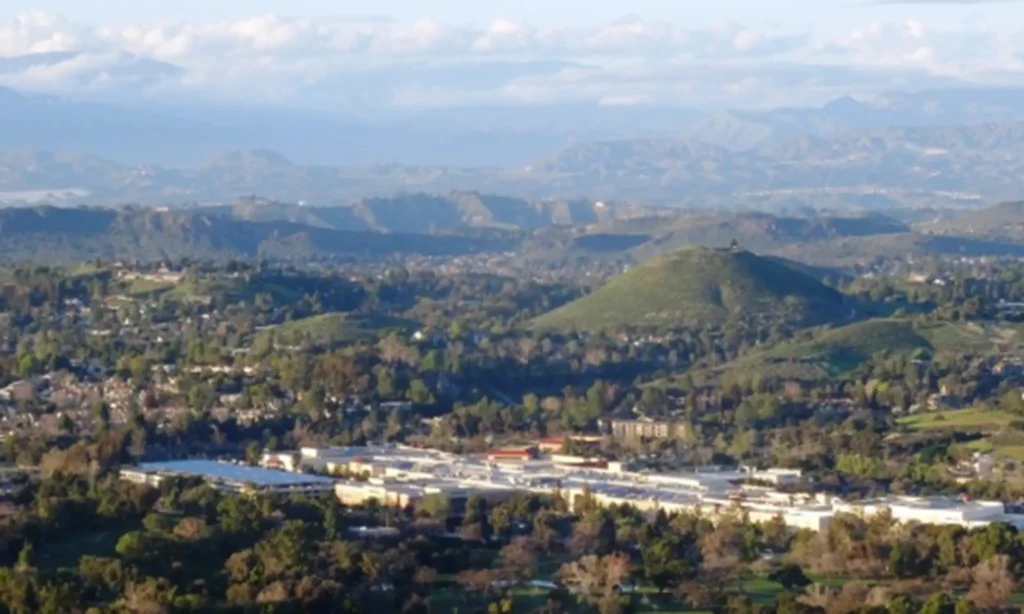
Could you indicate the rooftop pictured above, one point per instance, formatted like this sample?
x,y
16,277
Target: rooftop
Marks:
x,y
229,472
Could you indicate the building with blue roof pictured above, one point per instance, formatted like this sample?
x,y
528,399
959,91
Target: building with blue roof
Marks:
x,y
229,477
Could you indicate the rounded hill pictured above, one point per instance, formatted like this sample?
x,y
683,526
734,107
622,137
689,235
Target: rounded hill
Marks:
x,y
703,286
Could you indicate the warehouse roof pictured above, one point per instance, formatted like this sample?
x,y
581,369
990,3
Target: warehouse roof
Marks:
x,y
229,472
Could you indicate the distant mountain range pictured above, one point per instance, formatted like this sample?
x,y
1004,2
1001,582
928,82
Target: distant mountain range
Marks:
x,y
185,135
868,169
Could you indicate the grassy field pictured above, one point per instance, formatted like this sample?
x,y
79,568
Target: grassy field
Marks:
x,y
963,419
1007,445
647,599
139,287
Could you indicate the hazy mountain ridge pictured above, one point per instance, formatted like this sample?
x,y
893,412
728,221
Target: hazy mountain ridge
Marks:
x,y
422,213
257,228
873,168
49,234
1005,221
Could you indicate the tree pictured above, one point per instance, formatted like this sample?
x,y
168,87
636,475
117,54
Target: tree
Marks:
x,y
64,423
939,603
791,577
385,382
996,538
593,534
789,603
964,606
519,558
419,393
26,558
993,583
901,604
332,518
134,545
668,560
597,581
475,522
200,398
501,520
435,506
903,560
253,453
190,529
101,414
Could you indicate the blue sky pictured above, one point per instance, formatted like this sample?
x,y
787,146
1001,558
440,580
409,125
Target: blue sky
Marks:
x,y
414,54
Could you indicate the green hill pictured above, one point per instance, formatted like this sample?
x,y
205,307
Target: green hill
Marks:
x,y
333,329
701,286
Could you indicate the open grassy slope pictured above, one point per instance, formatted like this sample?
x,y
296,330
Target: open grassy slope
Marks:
x,y
700,286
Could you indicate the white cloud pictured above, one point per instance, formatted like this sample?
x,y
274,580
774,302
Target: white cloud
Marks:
x,y
270,56
504,35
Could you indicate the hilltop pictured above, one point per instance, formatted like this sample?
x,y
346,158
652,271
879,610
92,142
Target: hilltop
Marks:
x,y
702,286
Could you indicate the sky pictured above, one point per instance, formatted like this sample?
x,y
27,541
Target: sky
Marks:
x,y
421,54
794,13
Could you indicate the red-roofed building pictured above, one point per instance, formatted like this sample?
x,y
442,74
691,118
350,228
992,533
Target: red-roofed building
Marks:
x,y
525,453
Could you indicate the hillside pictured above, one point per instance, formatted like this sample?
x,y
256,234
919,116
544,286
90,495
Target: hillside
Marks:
x,y
1001,221
758,232
833,352
853,251
430,213
48,234
701,286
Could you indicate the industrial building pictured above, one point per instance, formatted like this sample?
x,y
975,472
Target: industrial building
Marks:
x,y
229,477
931,510
403,476
644,428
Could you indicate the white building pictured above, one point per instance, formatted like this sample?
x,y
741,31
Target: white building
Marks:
x,y
932,510
403,476
229,477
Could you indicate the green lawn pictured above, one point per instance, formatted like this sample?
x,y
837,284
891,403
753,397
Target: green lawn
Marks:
x,y
971,419
139,287
337,328
1014,452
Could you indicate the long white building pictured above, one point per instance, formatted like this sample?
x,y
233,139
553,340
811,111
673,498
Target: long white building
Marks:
x,y
229,477
402,476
